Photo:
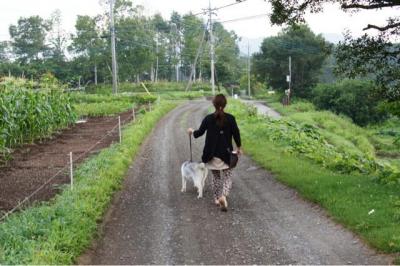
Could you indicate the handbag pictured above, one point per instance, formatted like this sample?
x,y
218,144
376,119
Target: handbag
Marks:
x,y
233,159
233,156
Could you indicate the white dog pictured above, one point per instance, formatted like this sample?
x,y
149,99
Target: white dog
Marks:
x,y
197,172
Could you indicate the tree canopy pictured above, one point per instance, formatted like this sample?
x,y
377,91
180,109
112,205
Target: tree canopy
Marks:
x,y
373,56
307,51
148,47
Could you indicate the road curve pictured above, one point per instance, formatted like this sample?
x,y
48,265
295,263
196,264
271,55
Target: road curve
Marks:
x,y
152,222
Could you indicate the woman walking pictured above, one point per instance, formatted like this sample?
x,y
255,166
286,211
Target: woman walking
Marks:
x,y
220,127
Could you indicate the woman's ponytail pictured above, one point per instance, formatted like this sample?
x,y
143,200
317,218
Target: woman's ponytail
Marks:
x,y
219,102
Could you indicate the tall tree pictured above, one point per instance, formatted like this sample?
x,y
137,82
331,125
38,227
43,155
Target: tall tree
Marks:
x,y
307,51
29,38
89,46
227,54
192,32
175,42
57,36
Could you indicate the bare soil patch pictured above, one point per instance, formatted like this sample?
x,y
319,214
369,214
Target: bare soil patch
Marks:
x,y
32,165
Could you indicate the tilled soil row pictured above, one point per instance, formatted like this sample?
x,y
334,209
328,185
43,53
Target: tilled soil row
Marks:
x,y
32,165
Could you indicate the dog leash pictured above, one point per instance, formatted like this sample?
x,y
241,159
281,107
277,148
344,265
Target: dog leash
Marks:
x,y
190,144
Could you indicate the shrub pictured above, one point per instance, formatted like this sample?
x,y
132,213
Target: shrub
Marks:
x,y
353,98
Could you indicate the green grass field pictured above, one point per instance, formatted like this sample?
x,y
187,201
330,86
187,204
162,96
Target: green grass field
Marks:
x,y
369,208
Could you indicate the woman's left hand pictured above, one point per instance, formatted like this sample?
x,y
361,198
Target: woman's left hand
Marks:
x,y
190,131
239,151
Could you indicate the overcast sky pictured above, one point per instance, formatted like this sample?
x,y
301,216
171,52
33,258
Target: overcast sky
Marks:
x,y
332,23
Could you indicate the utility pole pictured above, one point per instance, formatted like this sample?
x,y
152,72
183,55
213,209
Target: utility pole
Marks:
x,y
114,57
248,68
212,48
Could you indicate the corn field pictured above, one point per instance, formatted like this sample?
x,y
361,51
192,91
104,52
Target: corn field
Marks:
x,y
27,115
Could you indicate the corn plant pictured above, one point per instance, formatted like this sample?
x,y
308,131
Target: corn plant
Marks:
x,y
27,115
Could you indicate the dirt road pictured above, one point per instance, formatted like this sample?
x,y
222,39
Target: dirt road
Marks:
x,y
152,222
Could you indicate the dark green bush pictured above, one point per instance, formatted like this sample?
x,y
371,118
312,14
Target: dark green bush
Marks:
x,y
353,98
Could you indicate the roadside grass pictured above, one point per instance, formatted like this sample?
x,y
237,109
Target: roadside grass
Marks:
x,y
56,232
348,198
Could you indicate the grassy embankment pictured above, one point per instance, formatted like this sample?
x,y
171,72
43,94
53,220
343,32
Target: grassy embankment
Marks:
x,y
381,141
343,183
56,232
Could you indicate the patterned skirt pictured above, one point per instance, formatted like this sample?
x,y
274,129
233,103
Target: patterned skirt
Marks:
x,y
222,177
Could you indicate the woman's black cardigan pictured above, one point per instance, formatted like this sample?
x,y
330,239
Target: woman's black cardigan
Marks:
x,y
218,139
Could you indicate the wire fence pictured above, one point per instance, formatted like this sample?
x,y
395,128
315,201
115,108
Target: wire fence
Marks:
x,y
69,166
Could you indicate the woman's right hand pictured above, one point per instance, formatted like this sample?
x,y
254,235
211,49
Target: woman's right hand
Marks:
x,y
190,131
239,151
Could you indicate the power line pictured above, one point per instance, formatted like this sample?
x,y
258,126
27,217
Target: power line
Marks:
x,y
243,18
218,8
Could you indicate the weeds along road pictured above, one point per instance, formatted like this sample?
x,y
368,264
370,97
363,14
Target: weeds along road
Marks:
x,y
152,222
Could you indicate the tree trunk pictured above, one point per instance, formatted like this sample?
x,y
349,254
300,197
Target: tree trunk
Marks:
x,y
152,73
157,71
200,75
95,74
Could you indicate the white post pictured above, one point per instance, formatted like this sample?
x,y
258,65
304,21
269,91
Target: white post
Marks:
x,y
119,129
133,115
71,170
